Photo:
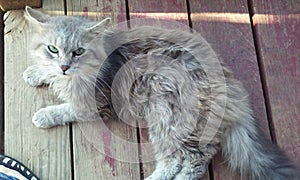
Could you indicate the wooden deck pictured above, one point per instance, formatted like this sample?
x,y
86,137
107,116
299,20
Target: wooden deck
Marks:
x,y
258,39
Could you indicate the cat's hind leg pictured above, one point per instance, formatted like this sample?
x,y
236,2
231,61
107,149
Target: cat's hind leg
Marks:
x,y
188,165
166,169
195,164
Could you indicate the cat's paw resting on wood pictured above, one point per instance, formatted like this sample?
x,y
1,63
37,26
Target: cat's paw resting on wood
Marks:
x,y
34,75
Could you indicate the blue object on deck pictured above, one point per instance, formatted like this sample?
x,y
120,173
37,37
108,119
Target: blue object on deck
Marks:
x,y
11,169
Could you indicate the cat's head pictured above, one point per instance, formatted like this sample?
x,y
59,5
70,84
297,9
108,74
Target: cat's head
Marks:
x,y
69,45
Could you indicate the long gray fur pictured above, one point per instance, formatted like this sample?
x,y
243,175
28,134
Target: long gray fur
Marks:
x,y
170,79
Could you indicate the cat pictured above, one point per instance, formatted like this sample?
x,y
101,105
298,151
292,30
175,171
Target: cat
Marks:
x,y
193,105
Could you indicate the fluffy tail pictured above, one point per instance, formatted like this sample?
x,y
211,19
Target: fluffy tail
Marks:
x,y
246,148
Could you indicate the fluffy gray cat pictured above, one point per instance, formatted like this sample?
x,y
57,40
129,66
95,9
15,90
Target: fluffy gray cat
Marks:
x,y
192,104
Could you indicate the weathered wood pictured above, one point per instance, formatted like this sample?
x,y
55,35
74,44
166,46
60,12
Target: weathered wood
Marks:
x,y
17,4
1,83
104,150
277,26
165,14
161,12
96,10
226,26
112,153
46,152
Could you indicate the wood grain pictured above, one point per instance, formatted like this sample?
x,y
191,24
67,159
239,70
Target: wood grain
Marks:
x,y
226,26
160,12
96,10
277,31
17,4
104,150
105,157
45,152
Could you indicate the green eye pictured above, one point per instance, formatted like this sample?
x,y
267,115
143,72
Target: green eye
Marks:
x,y
53,49
78,52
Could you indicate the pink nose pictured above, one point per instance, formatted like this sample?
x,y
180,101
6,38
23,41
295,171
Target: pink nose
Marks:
x,y
64,68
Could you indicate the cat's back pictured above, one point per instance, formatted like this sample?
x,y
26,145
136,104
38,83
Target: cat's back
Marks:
x,y
188,48
114,38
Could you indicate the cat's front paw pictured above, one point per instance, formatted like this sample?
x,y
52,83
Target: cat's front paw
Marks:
x,y
52,116
32,76
45,118
42,119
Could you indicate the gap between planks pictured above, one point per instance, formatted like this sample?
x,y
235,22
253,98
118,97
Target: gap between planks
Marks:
x,y
70,125
261,72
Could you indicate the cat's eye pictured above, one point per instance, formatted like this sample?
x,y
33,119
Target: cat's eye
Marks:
x,y
78,52
53,49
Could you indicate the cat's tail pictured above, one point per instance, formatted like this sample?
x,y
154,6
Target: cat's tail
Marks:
x,y
246,148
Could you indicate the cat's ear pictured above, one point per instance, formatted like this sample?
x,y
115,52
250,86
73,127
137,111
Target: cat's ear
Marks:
x,y
99,27
36,16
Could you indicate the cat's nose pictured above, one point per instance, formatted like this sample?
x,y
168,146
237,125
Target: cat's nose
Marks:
x,y
64,68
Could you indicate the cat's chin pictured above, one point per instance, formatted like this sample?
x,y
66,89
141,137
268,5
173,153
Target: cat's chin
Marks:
x,y
65,75
69,73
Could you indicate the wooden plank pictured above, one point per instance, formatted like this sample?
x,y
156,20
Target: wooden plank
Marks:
x,y
45,152
166,14
1,83
160,12
226,26
96,10
104,150
277,31
17,4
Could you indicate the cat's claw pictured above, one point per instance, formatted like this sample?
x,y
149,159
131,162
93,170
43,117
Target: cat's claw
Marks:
x,y
32,76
